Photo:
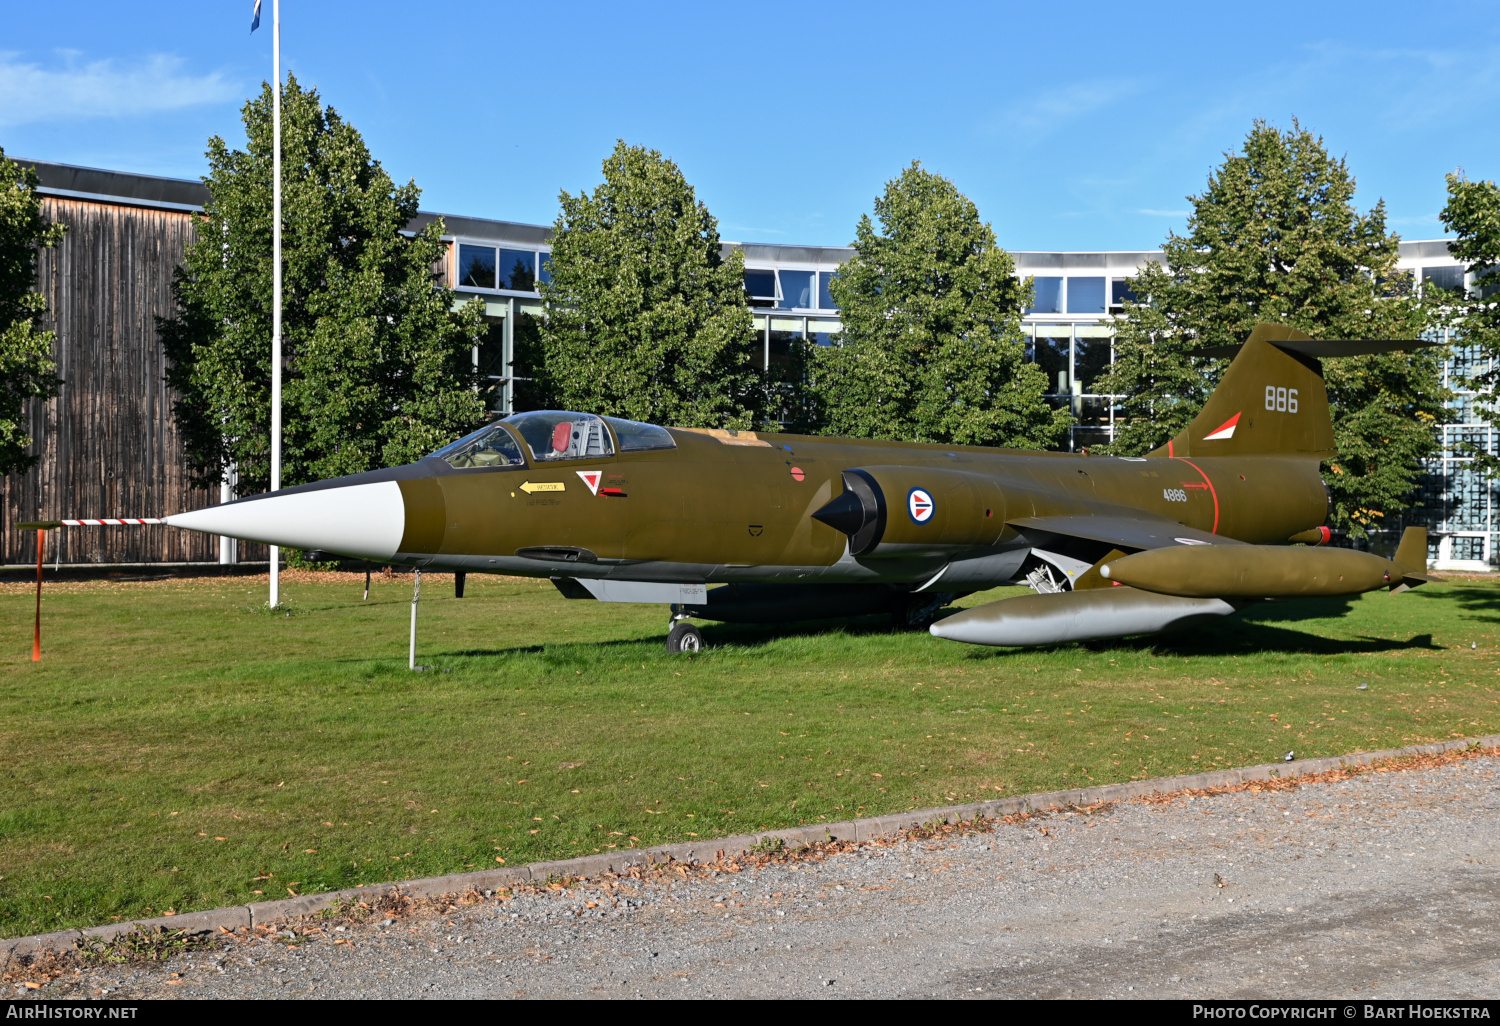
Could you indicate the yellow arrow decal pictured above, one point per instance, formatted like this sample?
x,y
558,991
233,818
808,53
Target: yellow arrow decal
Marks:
x,y
542,486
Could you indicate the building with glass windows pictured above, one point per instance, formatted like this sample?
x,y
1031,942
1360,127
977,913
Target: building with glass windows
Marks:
x,y
110,278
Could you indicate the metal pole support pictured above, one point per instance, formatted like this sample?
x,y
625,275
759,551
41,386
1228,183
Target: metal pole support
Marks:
x,y
416,596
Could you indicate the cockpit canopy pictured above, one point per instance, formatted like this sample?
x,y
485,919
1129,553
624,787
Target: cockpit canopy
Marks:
x,y
552,435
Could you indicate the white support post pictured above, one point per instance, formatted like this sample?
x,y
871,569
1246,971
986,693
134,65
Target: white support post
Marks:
x,y
229,548
275,599
416,596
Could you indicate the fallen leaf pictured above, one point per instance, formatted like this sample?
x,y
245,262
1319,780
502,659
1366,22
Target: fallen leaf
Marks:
x,y
221,838
311,851
499,860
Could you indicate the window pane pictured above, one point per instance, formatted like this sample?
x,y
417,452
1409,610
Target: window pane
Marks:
x,y
825,294
1466,547
490,446
1051,354
1092,412
492,350
761,287
518,270
1119,292
1085,295
493,447
556,435
1048,295
545,273
821,332
476,266
797,290
786,349
637,437
1089,438
1444,277
1090,359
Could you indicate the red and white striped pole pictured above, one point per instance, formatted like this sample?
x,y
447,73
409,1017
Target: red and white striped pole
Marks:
x,y
42,527
36,638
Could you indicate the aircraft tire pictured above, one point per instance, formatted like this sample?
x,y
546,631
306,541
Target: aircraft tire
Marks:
x,y
684,639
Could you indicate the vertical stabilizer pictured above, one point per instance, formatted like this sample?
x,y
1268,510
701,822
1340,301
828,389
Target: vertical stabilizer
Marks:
x,y
1271,401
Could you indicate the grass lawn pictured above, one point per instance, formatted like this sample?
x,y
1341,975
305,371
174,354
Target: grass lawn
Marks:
x,y
178,749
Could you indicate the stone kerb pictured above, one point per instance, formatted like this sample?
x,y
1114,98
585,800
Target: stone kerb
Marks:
x,y
701,852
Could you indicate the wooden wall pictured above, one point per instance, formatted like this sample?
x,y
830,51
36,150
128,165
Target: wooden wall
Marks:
x,y
108,442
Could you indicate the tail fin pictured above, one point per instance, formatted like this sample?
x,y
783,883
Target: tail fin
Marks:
x,y
1272,399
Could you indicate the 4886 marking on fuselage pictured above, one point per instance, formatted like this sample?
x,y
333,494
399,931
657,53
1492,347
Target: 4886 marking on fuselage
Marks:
x,y
1281,400
1174,494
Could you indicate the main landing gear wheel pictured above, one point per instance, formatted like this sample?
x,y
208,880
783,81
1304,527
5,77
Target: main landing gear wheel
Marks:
x,y
684,638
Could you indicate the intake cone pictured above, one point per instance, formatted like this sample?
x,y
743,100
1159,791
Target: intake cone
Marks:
x,y
845,513
859,512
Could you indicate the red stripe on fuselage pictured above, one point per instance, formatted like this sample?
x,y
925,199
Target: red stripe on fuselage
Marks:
x,y
1211,491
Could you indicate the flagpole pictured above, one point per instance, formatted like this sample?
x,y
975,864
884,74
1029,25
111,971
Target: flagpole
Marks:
x,y
275,599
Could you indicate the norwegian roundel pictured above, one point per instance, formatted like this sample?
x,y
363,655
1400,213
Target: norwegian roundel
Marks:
x,y
919,504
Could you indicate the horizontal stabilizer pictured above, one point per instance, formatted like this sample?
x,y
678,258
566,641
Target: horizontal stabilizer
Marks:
x,y
1328,348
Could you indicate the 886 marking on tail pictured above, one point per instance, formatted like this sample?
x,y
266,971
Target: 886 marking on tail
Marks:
x,y
1281,400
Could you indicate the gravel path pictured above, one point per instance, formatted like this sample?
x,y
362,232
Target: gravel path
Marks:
x,y
1380,886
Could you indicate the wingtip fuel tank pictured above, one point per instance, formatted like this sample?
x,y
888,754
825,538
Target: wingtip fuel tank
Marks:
x,y
1089,615
1267,571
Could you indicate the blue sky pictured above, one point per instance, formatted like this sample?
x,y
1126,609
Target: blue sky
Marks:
x,y
1077,126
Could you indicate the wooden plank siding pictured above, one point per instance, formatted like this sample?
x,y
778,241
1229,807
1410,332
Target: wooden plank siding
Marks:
x,y
109,446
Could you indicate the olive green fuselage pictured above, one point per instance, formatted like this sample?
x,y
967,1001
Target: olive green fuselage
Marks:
x,y
740,509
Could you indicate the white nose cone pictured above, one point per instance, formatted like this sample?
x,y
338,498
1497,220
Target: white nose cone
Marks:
x,y
352,520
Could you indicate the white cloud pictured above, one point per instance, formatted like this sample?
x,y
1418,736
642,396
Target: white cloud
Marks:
x,y
74,90
1046,112
1163,213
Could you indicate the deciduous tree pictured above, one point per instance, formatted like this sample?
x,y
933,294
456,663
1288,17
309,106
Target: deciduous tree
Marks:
x,y
1276,237
931,348
378,365
26,367
646,319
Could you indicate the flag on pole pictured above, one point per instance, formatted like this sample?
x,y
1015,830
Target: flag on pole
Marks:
x,y
255,20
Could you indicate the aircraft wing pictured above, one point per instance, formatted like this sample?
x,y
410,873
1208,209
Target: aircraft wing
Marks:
x,y
1123,531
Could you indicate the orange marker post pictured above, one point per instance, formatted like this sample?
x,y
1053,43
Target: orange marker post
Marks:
x,y
36,638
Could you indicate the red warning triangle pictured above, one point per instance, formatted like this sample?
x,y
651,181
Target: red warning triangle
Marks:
x,y
591,478
1226,430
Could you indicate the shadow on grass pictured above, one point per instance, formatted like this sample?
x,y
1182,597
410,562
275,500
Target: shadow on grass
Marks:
x,y
1471,600
1259,628
715,636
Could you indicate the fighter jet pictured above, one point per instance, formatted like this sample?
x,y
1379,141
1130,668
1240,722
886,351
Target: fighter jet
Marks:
x,y
747,527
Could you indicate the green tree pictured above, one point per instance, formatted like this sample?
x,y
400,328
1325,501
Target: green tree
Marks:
x,y
1473,215
646,319
1275,237
931,348
26,367
378,367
